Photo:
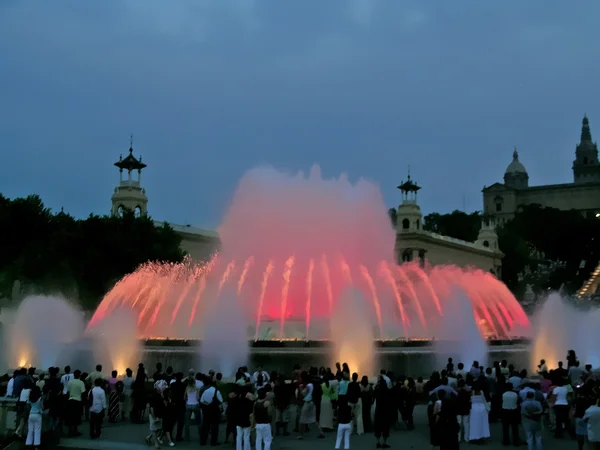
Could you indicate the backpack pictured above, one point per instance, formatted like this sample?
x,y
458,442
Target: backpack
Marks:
x,y
90,398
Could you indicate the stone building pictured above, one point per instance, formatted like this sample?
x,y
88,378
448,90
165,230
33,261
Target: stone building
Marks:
x,y
502,200
129,194
415,244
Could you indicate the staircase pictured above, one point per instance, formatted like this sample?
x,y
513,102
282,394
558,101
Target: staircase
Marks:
x,y
591,285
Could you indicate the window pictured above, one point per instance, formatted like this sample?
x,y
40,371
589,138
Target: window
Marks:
x,y
486,244
405,224
585,160
498,207
422,258
138,211
120,211
406,255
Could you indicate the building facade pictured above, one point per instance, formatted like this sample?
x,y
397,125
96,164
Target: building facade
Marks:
x,y
415,244
129,194
502,200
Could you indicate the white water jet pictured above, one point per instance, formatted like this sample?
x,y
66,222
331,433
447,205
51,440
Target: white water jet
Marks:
x,y
352,333
224,345
458,335
560,327
41,330
115,342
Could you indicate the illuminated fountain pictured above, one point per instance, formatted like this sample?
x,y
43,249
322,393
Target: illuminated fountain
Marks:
x,y
291,247
560,327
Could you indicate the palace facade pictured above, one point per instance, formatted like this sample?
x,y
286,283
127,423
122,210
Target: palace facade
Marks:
x,y
502,200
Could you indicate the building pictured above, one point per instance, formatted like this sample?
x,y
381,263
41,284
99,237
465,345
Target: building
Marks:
x,y
412,241
415,244
129,194
502,200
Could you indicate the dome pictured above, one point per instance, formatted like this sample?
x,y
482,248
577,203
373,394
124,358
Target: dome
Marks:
x,y
515,166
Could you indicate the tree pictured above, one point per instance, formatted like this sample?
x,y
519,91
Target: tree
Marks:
x,y
58,253
457,224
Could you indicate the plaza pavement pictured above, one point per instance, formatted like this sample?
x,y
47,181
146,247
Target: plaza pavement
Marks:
x,y
131,437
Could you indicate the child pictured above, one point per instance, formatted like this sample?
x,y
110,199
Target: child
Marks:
x,y
344,425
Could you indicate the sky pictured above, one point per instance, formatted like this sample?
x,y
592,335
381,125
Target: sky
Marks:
x,y
210,89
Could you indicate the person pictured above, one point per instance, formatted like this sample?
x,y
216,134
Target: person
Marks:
x,y
344,425
532,412
511,415
97,404
582,403
128,381
308,413
592,419
170,415
383,413
354,400
479,425
282,400
192,407
262,421
326,419
114,404
463,411
561,395
366,397
241,407
75,391
210,401
157,411
34,423
447,425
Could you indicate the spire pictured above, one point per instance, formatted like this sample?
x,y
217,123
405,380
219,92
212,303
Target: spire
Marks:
x,y
586,134
515,154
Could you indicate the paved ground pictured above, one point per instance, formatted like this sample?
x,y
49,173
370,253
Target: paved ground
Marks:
x,y
131,437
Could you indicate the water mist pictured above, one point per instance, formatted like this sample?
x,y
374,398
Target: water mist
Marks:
x,y
115,342
458,335
560,327
42,328
224,345
352,333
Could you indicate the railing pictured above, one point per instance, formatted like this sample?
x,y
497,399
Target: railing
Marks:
x,y
8,408
591,283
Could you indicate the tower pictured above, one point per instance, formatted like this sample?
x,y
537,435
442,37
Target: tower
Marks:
x,y
488,238
586,167
516,176
409,213
129,194
408,221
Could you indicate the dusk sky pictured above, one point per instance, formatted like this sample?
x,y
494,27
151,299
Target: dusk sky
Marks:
x,y
210,89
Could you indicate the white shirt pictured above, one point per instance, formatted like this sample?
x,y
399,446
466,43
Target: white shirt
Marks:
x,y
264,374
510,400
199,385
524,391
452,382
387,381
98,400
128,385
208,395
592,417
65,381
10,386
561,395
24,395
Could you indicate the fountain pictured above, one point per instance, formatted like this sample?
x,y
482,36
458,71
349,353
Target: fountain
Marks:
x,y
41,330
459,336
225,341
291,246
560,327
352,326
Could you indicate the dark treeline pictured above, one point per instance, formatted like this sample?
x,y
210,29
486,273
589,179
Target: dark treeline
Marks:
x,y
54,252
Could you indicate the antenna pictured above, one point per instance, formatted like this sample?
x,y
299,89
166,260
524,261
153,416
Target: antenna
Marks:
x,y
131,140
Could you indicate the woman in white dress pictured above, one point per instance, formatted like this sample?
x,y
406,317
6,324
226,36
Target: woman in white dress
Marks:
x,y
478,418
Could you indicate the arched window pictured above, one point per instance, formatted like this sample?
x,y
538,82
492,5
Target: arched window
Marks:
x,y
585,160
407,255
486,244
120,210
498,202
138,211
405,224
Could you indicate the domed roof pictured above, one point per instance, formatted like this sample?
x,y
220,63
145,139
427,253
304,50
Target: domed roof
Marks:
x,y
515,166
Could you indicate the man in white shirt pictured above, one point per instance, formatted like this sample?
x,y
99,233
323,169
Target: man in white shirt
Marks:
x,y
561,408
387,380
210,401
64,380
592,417
11,384
511,416
265,376
97,402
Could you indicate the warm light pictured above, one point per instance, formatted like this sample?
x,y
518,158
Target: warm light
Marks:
x,y
597,214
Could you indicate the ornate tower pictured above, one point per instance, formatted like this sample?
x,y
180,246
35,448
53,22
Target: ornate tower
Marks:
x,y
409,220
586,167
516,176
129,194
